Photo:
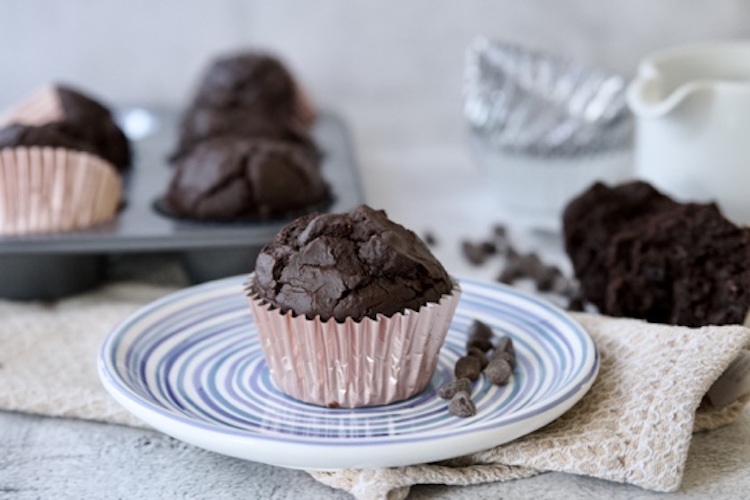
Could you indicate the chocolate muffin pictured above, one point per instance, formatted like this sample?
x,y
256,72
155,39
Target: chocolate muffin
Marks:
x,y
354,265
591,220
351,309
230,178
640,254
248,94
686,265
85,123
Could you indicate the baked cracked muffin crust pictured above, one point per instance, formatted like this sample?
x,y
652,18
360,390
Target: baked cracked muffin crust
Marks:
x,y
354,265
234,178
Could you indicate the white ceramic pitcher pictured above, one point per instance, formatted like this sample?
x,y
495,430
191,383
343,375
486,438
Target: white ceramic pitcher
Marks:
x,y
692,109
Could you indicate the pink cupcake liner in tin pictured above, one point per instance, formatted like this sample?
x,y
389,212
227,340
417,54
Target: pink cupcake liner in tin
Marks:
x,y
54,189
355,363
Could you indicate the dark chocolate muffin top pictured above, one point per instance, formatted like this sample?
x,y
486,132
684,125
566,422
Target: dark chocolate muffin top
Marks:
x,y
92,122
248,80
230,178
352,265
248,94
85,125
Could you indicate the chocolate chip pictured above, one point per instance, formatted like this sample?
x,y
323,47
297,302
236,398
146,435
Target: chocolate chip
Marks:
x,y
510,273
563,286
333,404
480,355
488,247
498,371
505,343
546,276
468,367
576,304
502,242
474,253
505,355
429,238
462,406
479,330
529,265
483,345
451,388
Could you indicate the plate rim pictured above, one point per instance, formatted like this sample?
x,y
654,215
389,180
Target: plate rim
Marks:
x,y
230,441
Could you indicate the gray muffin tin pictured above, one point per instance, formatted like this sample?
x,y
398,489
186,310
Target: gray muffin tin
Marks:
x,y
49,266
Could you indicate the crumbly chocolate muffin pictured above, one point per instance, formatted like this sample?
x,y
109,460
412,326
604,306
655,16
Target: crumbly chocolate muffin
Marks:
x,y
640,254
248,94
592,219
354,265
229,178
686,265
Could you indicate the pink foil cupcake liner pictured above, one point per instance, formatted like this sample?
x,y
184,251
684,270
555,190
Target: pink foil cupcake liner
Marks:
x,y
54,189
43,106
353,364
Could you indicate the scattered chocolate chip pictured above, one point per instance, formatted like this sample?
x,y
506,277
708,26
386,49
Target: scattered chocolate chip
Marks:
x,y
488,247
576,304
505,355
529,264
451,388
468,367
502,242
505,343
429,238
462,406
563,286
480,355
483,345
479,330
333,404
546,277
510,272
498,371
474,253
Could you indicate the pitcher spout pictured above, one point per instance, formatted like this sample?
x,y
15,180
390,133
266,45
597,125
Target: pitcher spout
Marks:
x,y
648,94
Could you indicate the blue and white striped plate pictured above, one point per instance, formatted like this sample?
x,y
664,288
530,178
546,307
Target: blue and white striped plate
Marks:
x,y
191,366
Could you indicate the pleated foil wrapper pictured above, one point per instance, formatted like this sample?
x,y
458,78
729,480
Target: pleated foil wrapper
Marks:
x,y
44,189
522,101
43,106
353,364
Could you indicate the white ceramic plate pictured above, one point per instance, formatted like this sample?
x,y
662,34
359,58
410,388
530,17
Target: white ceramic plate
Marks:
x,y
191,366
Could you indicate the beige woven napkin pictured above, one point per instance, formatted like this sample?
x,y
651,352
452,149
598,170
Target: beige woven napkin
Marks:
x,y
634,426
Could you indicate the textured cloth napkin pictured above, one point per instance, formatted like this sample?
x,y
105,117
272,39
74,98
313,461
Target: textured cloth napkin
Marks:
x,y
634,426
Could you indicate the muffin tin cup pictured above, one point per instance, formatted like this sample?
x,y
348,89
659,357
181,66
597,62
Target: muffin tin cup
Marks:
x,y
54,189
43,106
353,364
